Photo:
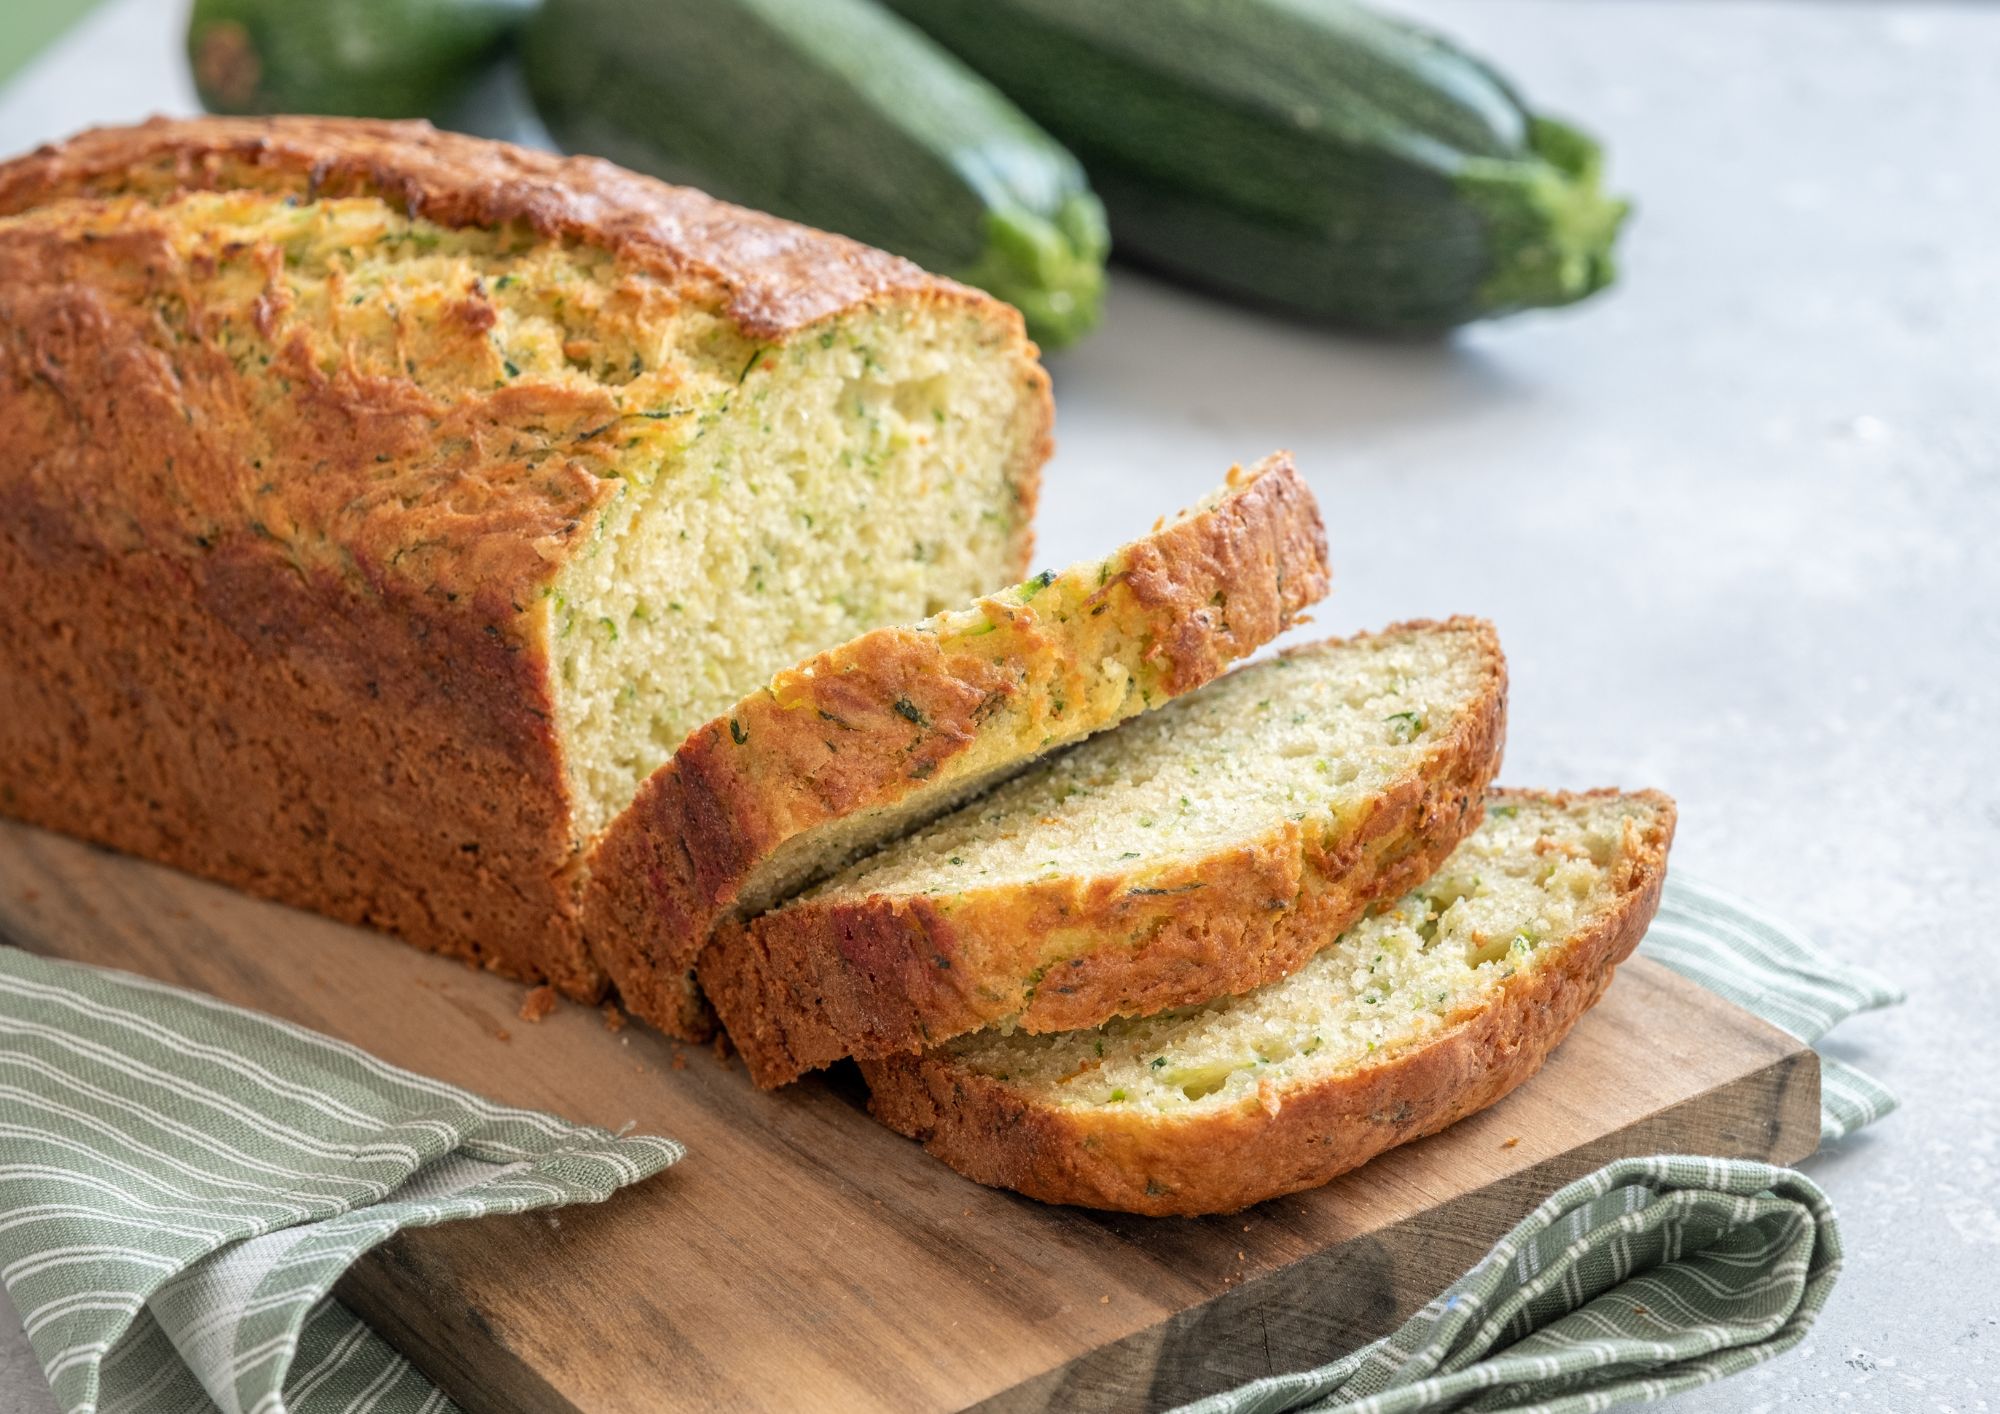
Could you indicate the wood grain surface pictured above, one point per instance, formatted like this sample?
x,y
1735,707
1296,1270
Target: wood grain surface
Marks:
x,y
802,1256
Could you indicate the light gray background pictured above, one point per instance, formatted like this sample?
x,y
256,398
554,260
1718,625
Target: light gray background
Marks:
x,y
1736,522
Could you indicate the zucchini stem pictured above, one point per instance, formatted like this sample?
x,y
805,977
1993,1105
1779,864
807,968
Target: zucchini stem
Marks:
x,y
1550,224
1050,270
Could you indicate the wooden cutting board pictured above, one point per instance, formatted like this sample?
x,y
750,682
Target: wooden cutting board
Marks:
x,y
803,1257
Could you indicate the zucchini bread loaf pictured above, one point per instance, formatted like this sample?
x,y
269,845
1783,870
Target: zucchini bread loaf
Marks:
x,y
871,738
379,507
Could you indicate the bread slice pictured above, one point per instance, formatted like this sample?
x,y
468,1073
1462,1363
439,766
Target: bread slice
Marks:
x,y
866,740
380,506
1423,1013
1205,848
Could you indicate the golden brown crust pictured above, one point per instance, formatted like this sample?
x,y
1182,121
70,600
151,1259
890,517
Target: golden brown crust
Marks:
x,y
772,277
821,979
901,714
297,646
1219,1162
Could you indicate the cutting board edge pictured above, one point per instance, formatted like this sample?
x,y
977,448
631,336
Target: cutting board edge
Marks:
x,y
395,1297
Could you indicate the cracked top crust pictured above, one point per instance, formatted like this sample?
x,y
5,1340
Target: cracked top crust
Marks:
x,y
771,277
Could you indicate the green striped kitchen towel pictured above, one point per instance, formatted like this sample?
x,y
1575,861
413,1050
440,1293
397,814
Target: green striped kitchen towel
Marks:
x,y
182,1182
1648,1277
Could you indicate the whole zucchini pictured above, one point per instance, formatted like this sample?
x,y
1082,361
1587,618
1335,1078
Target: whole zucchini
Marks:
x,y
838,114
353,58
1309,154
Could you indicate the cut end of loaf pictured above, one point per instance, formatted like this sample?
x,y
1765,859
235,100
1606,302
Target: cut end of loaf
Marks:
x,y
869,472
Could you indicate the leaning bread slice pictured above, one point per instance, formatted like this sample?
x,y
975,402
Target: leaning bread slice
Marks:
x,y
1423,1013
865,740
1206,848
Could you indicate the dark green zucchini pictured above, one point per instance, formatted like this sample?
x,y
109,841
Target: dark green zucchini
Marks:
x,y
1308,154
835,113
353,58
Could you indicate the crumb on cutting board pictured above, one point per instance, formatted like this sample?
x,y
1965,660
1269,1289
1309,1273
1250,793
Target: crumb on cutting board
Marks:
x,y
539,1002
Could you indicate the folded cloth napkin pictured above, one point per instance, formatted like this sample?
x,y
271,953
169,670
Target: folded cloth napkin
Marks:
x,y
181,1183
1649,1276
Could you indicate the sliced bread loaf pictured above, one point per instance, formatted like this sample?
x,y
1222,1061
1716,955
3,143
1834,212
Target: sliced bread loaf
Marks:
x,y
1202,849
1423,1013
864,741
380,506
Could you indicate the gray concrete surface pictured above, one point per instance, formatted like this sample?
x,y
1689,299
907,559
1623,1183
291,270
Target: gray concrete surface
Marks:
x,y
1738,524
